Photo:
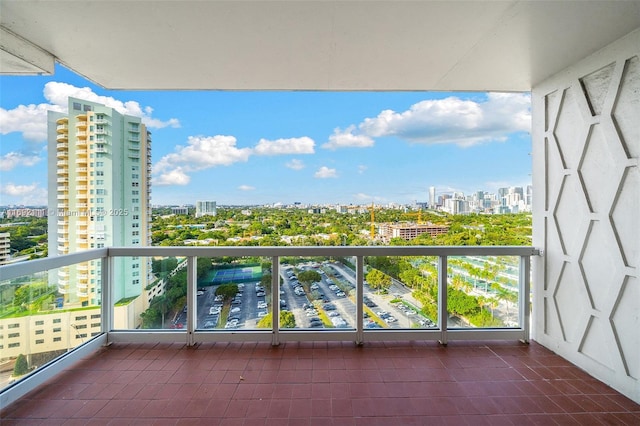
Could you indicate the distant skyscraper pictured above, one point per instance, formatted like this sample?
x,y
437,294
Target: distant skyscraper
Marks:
x,y
205,208
432,197
99,188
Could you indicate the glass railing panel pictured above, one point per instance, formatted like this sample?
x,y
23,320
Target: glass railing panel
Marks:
x,y
149,292
310,295
401,292
233,293
482,291
44,315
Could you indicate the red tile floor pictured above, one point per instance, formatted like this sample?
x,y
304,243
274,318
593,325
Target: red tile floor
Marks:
x,y
320,383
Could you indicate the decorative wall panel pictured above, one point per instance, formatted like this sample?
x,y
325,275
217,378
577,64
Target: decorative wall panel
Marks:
x,y
586,145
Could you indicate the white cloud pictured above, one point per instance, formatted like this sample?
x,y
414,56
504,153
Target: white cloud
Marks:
x,y
453,120
346,138
172,177
200,153
203,152
366,197
31,120
325,173
11,160
13,189
57,93
362,169
25,194
303,145
295,164
246,188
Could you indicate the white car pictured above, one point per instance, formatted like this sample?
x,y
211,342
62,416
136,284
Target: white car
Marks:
x,y
235,310
262,305
214,310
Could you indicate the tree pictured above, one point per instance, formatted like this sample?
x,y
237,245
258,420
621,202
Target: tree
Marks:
x,y
378,280
21,367
308,277
287,320
163,305
227,290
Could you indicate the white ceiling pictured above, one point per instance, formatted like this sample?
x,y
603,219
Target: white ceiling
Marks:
x,y
310,45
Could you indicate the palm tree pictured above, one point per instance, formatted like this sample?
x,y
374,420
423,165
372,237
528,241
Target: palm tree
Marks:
x,y
163,305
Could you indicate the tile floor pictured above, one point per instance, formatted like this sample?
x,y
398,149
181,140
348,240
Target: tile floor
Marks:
x,y
324,383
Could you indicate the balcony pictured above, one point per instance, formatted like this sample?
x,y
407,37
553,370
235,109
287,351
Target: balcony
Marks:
x,y
435,374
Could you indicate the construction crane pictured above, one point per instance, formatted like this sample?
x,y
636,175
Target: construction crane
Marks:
x,y
419,214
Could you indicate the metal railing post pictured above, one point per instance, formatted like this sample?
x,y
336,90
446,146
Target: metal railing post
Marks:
x,y
443,315
359,300
192,283
107,266
524,290
275,300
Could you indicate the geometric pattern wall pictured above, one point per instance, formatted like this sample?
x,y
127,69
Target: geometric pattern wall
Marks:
x,y
587,146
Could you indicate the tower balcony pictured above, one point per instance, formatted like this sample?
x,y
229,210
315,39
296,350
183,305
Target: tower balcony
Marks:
x,y
446,365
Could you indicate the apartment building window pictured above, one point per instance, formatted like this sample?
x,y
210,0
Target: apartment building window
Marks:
x,y
82,336
135,192
13,335
99,173
86,108
135,282
14,345
99,200
135,225
57,321
135,274
82,318
39,332
135,184
57,330
39,341
57,339
135,266
95,316
81,326
14,325
101,191
40,322
136,217
135,233
77,106
100,182
135,200
99,163
135,242
135,176
101,245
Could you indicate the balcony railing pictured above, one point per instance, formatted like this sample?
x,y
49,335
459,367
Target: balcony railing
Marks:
x,y
441,263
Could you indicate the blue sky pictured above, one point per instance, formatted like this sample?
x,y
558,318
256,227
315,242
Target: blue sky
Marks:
x,y
284,147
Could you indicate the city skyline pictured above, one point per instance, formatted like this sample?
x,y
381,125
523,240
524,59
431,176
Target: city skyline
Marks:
x,y
252,148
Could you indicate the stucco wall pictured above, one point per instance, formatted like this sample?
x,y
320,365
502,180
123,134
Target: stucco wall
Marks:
x,y
586,144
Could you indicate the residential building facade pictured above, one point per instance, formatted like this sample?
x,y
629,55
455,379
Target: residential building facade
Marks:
x,y
99,194
205,208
